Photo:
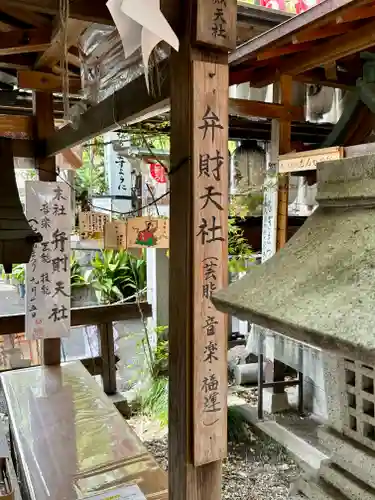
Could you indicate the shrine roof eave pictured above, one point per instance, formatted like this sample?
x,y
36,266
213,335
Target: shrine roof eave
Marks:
x,y
330,35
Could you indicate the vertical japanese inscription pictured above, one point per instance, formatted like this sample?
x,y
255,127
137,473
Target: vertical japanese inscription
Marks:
x,y
210,118
48,272
216,23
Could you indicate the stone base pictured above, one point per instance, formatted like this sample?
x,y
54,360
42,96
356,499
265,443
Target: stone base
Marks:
x,y
348,485
275,402
318,490
349,455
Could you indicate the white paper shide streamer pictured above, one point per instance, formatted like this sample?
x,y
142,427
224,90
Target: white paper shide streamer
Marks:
x,y
141,23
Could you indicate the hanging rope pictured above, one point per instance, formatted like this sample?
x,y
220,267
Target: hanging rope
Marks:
x,y
64,19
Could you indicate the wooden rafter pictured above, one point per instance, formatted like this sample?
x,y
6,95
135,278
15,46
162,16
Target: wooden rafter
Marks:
x,y
95,12
17,62
330,51
261,109
16,126
313,18
28,17
319,33
53,53
24,41
37,80
356,14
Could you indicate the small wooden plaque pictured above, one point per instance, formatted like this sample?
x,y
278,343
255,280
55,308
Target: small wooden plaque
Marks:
x,y
307,160
144,232
217,24
91,225
115,235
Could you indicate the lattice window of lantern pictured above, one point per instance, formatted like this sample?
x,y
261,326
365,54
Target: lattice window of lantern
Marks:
x,y
359,402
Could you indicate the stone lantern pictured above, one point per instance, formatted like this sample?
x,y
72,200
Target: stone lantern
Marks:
x,y
320,289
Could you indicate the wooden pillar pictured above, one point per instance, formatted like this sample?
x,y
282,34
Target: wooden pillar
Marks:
x,y
44,127
286,88
284,140
198,236
107,352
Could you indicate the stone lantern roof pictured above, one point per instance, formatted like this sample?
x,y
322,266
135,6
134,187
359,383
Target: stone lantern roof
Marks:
x,y
320,288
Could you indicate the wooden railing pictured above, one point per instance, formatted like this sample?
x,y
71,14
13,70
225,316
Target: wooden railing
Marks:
x,y
103,317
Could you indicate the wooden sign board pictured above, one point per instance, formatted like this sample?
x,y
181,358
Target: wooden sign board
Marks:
x,y
140,232
216,24
307,160
144,232
91,225
210,264
115,235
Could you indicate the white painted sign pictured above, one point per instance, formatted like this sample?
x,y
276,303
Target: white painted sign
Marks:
x,y
48,272
118,168
269,226
131,492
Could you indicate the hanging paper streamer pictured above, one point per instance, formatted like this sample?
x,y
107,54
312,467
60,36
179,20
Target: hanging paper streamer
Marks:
x,y
141,23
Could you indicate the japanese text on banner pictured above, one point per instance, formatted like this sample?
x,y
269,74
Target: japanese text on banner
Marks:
x,y
48,272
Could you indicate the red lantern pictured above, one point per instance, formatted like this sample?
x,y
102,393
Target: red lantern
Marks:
x,y
157,172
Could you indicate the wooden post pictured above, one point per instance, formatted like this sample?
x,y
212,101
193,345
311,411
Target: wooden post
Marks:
x,y
107,352
44,127
199,164
284,129
286,88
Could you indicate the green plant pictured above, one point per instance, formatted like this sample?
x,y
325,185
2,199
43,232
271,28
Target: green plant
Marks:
x,y
76,278
239,250
238,426
117,275
18,272
154,401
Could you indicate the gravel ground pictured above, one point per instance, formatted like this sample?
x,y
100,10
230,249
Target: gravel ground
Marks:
x,y
258,470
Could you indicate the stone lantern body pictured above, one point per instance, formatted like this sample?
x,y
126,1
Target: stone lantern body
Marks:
x,y
320,289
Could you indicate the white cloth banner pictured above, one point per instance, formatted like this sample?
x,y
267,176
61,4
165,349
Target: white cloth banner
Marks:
x,y
48,211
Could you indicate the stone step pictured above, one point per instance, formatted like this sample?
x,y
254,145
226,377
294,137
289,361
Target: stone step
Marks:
x,y
349,455
317,490
308,457
350,487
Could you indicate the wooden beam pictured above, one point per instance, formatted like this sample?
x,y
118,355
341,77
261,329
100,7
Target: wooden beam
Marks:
x,y
26,16
45,82
286,89
72,158
343,80
284,50
261,109
82,316
109,114
356,14
314,18
331,51
14,126
23,148
18,62
323,54
43,108
52,55
24,41
94,12
310,35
